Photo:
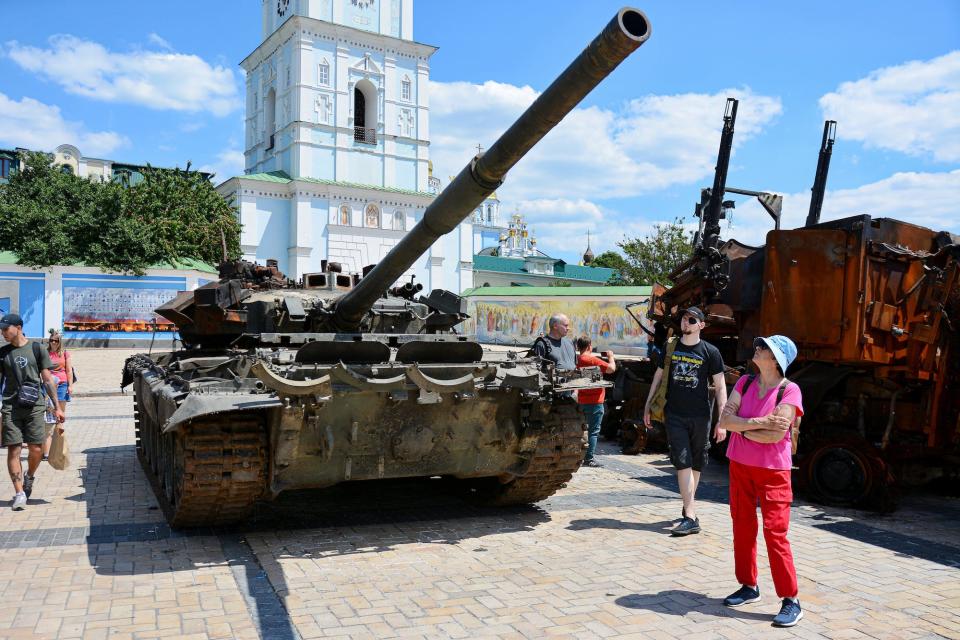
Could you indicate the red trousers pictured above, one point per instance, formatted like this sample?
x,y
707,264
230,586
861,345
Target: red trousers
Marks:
x,y
772,488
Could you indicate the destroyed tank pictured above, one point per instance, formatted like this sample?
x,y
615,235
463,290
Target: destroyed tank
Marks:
x,y
342,377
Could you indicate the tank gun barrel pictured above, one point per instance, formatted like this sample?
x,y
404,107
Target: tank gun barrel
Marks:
x,y
628,29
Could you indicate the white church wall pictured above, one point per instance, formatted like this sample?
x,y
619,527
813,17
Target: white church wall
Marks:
x,y
272,222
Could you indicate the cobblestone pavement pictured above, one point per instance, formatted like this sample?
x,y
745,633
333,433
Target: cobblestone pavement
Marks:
x,y
91,557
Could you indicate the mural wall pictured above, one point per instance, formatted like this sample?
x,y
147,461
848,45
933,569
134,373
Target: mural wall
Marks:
x,y
517,321
115,309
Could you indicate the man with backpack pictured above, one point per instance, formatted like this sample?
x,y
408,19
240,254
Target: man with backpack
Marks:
x,y
556,346
23,365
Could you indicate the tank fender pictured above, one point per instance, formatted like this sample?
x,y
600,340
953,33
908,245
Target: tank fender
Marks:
x,y
197,405
287,387
525,378
344,375
465,383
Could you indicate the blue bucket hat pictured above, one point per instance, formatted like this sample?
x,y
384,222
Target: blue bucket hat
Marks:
x,y
783,349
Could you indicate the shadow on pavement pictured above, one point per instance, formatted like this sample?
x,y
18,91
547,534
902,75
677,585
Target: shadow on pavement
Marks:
x,y
679,603
122,507
662,526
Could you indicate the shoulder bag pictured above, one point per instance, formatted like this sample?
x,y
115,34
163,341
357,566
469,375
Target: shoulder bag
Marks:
x,y
658,405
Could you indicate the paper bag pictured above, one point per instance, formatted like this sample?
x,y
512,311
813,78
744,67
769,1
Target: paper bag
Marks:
x,y
59,452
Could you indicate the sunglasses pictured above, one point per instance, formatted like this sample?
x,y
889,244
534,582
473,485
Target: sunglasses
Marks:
x,y
691,320
52,341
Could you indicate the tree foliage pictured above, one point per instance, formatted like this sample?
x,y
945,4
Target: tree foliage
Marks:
x,y
615,261
48,217
652,258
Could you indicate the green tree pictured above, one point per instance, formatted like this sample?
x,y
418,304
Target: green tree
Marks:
x,y
651,258
615,261
49,217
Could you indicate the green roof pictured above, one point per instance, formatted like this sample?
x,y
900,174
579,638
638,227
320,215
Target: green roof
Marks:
x,y
496,263
560,268
528,292
282,177
8,257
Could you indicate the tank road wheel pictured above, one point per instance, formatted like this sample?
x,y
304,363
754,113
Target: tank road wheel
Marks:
x,y
847,471
558,455
210,472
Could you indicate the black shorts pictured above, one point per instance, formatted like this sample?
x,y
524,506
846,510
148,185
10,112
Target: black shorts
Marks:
x,y
689,439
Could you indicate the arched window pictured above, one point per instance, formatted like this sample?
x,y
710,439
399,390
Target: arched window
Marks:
x,y
399,220
323,73
490,213
371,216
405,88
365,112
345,215
65,168
270,126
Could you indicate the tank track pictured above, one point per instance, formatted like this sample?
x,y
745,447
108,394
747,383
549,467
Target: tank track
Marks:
x,y
210,472
558,455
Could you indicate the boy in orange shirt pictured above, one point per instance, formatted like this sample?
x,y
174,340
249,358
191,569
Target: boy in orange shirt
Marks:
x,y
591,400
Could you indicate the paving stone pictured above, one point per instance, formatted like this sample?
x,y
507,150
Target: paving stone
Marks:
x,y
401,560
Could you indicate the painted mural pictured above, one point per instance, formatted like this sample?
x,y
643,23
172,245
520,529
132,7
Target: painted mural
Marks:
x,y
515,321
115,309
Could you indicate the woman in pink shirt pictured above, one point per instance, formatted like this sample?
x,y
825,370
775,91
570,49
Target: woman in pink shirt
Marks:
x,y
63,371
759,417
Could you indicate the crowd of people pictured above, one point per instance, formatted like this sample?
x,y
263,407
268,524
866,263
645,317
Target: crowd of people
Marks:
x,y
761,417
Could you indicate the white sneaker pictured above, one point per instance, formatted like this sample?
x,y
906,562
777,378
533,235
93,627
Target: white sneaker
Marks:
x,y
19,501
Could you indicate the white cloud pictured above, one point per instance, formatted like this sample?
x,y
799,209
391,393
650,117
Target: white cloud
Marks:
x,y
34,125
228,163
649,144
158,40
925,199
155,79
912,108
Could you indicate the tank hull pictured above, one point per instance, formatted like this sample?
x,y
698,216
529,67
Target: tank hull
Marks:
x,y
215,447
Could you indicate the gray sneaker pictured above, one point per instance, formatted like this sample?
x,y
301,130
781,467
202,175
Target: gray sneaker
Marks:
x,y
27,484
686,527
19,502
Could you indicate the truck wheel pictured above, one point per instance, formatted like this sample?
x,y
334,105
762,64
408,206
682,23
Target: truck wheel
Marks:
x,y
847,471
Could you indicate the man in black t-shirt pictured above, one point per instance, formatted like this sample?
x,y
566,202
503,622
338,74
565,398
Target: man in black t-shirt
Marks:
x,y
694,365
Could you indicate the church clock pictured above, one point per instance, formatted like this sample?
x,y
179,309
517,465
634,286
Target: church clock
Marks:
x,y
282,7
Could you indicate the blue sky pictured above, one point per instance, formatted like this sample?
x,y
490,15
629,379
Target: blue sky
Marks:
x,y
159,82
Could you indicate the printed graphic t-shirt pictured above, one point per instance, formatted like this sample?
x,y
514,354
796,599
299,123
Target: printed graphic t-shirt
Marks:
x,y
23,359
591,396
774,455
691,367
